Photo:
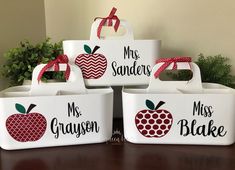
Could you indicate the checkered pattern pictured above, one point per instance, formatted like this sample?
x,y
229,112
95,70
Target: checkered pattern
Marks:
x,y
26,127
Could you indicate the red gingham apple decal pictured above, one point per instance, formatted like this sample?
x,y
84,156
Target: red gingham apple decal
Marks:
x,y
154,122
26,126
93,65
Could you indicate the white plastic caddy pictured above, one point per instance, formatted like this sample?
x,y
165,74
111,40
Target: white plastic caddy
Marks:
x,y
179,112
120,60
55,114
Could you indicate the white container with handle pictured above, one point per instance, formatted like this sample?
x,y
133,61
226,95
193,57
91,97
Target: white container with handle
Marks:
x,y
113,60
179,112
55,114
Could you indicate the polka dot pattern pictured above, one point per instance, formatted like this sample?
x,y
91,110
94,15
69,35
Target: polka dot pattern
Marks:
x,y
152,123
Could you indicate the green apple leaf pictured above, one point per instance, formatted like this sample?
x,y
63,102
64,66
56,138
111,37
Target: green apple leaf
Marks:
x,y
87,49
20,108
149,104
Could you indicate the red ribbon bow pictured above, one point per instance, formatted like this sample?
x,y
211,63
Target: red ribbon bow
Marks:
x,y
168,61
63,59
110,23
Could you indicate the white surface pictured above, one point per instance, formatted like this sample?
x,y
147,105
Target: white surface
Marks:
x,y
180,101
127,36
157,85
75,83
93,105
113,48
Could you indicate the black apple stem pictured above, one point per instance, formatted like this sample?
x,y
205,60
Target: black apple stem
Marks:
x,y
95,49
30,107
159,104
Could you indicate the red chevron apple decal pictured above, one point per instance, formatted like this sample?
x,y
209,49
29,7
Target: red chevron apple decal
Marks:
x,y
93,65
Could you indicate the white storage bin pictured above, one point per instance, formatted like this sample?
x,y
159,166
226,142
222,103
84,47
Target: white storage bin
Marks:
x,y
119,60
179,112
55,114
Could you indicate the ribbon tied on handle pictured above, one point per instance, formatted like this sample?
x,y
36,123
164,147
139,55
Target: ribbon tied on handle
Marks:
x,y
61,59
168,61
108,19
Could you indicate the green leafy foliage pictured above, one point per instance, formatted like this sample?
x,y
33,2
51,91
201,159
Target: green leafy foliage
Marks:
x,y
21,61
214,69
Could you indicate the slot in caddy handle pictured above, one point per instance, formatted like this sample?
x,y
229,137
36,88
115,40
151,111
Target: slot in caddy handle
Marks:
x,y
127,36
157,85
75,83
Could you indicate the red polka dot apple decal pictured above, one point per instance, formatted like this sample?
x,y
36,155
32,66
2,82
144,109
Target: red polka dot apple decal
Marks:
x,y
26,126
93,65
154,122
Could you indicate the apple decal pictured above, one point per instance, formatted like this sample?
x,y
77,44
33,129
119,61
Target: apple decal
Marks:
x,y
93,65
26,126
154,122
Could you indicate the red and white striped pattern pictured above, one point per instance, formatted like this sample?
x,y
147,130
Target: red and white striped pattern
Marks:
x,y
93,66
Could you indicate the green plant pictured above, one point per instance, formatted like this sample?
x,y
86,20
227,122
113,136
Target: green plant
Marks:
x,y
21,61
214,69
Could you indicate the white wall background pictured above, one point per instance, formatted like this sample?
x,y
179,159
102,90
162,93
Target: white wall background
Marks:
x,y
186,27
20,20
